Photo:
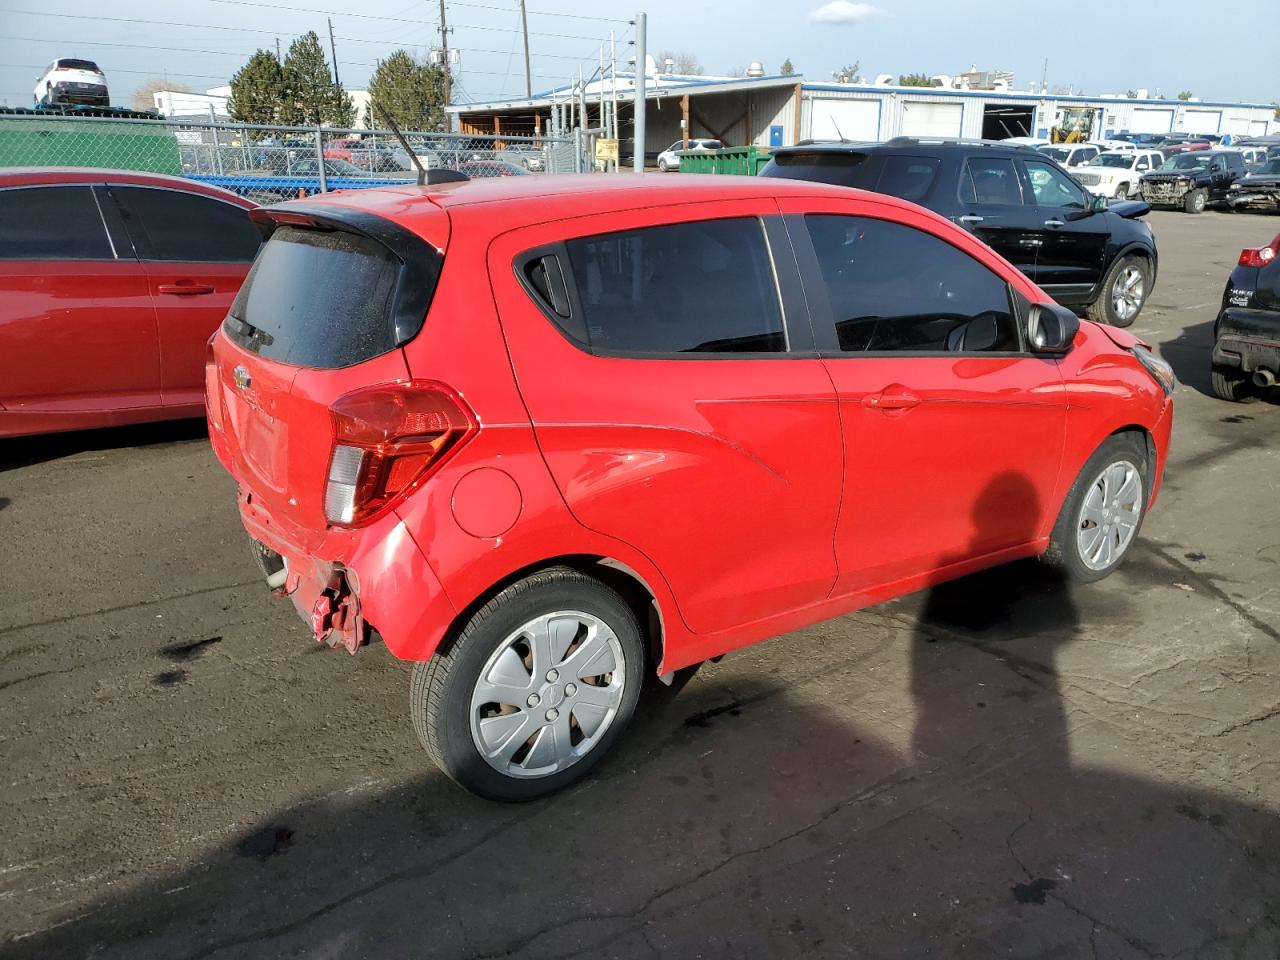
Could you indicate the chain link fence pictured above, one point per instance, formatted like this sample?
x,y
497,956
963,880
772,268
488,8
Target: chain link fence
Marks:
x,y
270,163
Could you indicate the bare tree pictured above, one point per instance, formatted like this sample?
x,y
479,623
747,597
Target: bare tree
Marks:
x,y
682,63
144,97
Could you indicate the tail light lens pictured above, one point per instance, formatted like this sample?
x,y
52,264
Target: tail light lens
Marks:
x,y
212,401
387,439
1260,256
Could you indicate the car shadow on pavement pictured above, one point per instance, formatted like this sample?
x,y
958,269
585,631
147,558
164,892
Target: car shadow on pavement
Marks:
x,y
26,451
1190,354
763,818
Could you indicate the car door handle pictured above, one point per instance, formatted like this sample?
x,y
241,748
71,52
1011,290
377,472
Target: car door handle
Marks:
x,y
185,289
971,218
890,401
1054,223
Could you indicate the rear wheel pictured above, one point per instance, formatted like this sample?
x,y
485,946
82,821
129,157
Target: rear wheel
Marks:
x,y
1103,511
535,690
1124,291
1195,201
1231,385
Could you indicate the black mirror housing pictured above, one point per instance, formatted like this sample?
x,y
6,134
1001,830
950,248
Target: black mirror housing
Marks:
x,y
1051,329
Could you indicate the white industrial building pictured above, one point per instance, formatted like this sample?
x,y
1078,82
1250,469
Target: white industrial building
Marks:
x,y
212,104
782,110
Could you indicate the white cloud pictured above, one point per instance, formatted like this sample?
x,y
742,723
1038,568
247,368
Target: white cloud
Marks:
x,y
843,11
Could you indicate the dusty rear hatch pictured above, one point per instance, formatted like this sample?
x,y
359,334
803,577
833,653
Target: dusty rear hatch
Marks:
x,y
333,295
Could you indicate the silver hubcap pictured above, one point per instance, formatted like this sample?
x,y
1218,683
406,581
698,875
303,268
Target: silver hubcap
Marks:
x,y
1128,292
547,694
1109,516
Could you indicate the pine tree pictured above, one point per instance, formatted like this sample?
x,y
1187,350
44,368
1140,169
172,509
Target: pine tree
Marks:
x,y
788,69
341,112
412,93
257,90
309,83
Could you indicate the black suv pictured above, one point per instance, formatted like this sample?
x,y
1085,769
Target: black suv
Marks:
x,y
1246,335
1079,250
1193,180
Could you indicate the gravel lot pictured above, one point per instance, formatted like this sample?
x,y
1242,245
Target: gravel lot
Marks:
x,y
1004,766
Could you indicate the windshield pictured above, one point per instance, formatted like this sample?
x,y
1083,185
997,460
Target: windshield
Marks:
x,y
1058,153
1185,161
1122,160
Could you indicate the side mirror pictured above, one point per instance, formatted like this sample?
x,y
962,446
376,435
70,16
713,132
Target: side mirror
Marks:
x,y
1099,204
1051,328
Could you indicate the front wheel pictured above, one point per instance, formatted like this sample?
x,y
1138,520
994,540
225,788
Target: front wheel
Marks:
x,y
1195,201
1124,292
1103,511
1122,192
535,690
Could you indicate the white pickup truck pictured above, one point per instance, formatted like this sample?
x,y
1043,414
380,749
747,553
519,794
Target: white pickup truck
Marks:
x,y
1116,173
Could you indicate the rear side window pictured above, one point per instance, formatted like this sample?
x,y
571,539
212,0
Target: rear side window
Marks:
x,y
894,288
844,169
172,225
52,223
318,298
990,181
907,177
701,287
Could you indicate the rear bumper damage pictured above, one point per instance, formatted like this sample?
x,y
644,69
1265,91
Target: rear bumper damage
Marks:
x,y
355,584
1248,340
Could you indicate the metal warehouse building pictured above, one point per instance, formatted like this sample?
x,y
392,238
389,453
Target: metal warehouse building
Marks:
x,y
779,111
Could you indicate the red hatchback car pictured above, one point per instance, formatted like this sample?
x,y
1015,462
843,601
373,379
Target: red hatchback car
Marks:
x,y
542,435
111,284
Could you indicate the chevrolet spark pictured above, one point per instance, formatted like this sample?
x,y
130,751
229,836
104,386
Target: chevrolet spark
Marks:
x,y
542,436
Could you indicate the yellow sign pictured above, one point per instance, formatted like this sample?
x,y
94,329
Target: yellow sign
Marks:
x,y
607,149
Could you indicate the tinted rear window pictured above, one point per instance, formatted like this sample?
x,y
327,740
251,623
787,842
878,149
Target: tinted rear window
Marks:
x,y
910,178
842,169
77,65
318,298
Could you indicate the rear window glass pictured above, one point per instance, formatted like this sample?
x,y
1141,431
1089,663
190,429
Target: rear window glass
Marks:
x,y
52,223
318,298
701,287
78,65
844,169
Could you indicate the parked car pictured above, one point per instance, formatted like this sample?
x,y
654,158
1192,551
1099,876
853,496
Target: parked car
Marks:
x,y
1254,157
635,425
1117,173
1259,190
1175,148
1071,154
669,159
110,285
1141,139
1246,334
1193,180
491,168
524,155
70,80
1077,248
310,167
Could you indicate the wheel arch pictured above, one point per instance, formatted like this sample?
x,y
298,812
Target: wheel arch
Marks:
x,y
629,584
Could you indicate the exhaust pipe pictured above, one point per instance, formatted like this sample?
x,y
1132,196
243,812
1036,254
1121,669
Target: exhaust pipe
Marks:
x,y
1263,377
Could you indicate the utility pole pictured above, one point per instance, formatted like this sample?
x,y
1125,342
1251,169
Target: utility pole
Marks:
x,y
333,48
278,60
444,56
637,152
524,28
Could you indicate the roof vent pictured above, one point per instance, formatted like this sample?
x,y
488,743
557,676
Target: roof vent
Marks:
x,y
756,69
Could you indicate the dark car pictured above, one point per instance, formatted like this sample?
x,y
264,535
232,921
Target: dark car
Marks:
x,y
1141,139
1259,190
491,168
1246,335
1193,180
1028,208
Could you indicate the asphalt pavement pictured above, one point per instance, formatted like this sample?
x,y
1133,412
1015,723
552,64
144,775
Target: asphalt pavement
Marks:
x,y
1002,766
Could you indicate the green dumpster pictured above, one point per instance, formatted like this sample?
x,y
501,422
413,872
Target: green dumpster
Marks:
x,y
740,161
37,142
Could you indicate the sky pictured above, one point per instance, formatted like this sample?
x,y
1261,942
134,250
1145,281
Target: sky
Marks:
x,y
201,43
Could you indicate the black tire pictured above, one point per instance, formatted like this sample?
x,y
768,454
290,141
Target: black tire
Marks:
x,y
1195,201
1103,309
1231,385
1122,192
441,689
1064,550
662,166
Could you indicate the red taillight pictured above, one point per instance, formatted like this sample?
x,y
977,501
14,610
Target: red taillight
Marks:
x,y
1260,256
212,402
387,439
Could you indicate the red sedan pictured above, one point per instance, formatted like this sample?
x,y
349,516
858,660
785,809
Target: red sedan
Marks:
x,y
543,435
110,286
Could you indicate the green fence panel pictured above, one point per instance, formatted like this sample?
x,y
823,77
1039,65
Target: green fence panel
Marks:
x,y
67,143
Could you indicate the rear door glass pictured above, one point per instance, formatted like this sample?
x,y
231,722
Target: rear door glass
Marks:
x,y
701,287
318,298
176,226
990,181
52,223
